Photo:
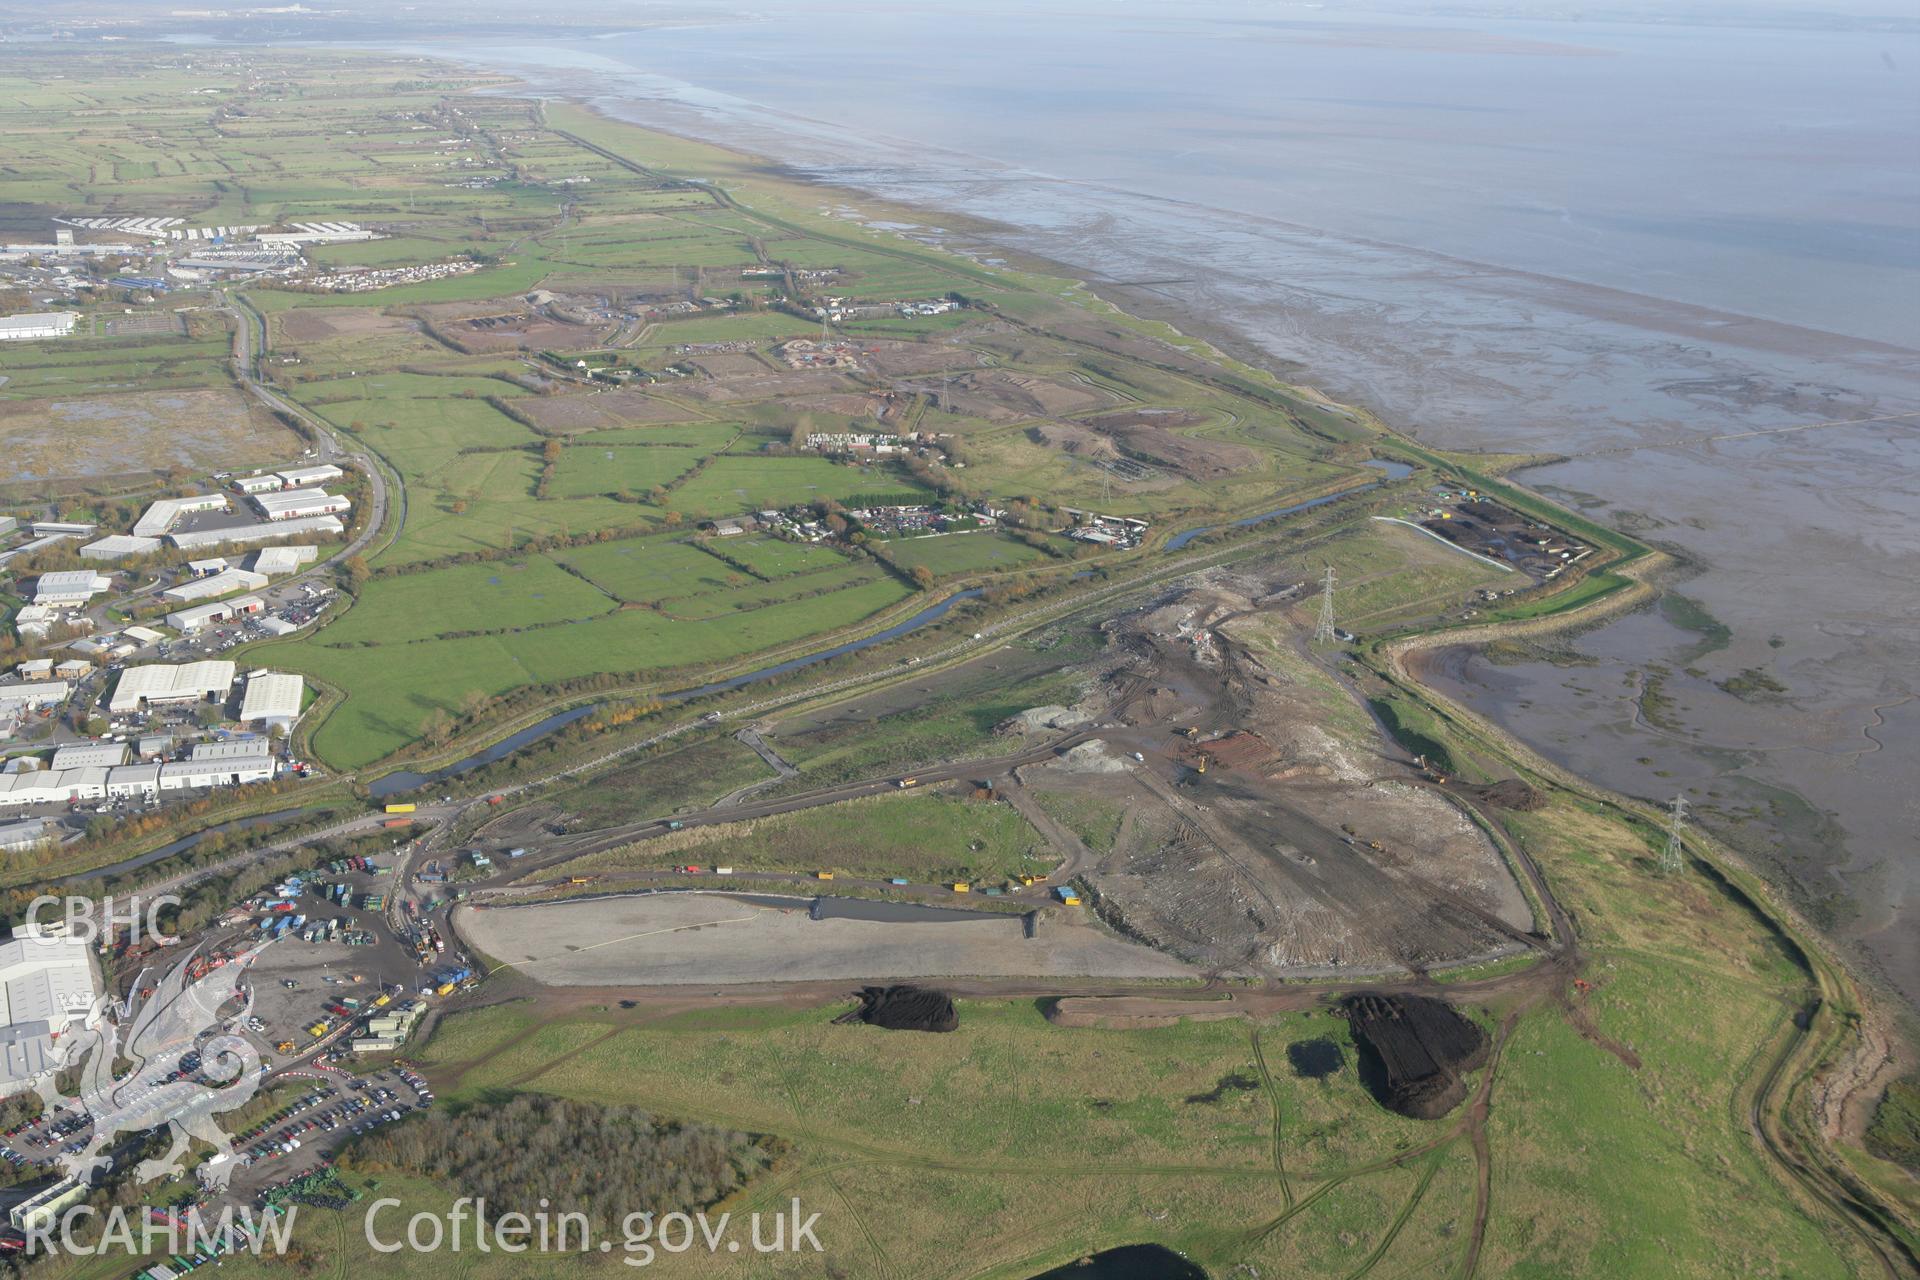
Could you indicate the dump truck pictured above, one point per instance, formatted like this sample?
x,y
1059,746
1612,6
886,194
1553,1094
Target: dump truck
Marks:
x,y
1068,895
907,782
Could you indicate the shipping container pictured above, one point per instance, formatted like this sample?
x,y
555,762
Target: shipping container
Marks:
x,y
400,808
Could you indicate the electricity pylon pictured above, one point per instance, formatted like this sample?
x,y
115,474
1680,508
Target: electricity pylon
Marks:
x,y
1323,633
1673,859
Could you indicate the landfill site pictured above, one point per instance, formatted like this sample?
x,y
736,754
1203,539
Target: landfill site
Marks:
x,y
1269,830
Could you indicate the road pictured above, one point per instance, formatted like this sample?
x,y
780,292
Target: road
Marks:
x,y
250,324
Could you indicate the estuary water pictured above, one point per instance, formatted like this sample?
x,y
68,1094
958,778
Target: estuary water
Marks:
x,y
1652,249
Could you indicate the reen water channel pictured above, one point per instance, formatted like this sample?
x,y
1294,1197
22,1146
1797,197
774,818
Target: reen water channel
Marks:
x,y
408,780
185,843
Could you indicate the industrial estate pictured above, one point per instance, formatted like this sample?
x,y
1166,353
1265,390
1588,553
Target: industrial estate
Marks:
x,y
581,635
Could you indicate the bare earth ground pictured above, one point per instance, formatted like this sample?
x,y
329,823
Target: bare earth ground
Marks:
x,y
137,431
687,938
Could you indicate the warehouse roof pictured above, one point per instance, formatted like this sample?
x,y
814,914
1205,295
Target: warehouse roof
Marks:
x,y
272,695
159,682
114,546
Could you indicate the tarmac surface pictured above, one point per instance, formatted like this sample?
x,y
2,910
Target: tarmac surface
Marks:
x,y
689,938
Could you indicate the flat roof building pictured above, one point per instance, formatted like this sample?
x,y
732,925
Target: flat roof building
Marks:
x,y
272,699
161,685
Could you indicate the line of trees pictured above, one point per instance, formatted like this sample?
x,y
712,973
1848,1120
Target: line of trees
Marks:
x,y
535,1151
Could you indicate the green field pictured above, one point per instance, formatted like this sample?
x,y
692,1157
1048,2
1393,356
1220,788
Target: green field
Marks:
x,y
926,838
586,470
977,552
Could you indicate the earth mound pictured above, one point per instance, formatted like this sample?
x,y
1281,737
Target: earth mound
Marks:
x,y
1413,1051
904,1008
1508,793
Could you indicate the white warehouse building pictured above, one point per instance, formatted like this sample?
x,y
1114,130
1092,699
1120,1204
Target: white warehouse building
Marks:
x,y
299,504
35,325
74,586
272,699
46,985
119,546
160,516
257,532
223,583
160,685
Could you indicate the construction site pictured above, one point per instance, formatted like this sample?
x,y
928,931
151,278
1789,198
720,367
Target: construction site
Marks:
x,y
1217,801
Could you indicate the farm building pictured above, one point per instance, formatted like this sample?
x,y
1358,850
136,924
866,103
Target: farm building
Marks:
x,y
118,547
161,685
272,699
35,325
75,586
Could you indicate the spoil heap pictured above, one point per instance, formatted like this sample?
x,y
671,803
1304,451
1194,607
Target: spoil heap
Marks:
x,y
904,1008
1413,1051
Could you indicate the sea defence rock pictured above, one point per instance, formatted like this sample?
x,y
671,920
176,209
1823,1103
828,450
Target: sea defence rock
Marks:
x,y
904,1008
1413,1052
